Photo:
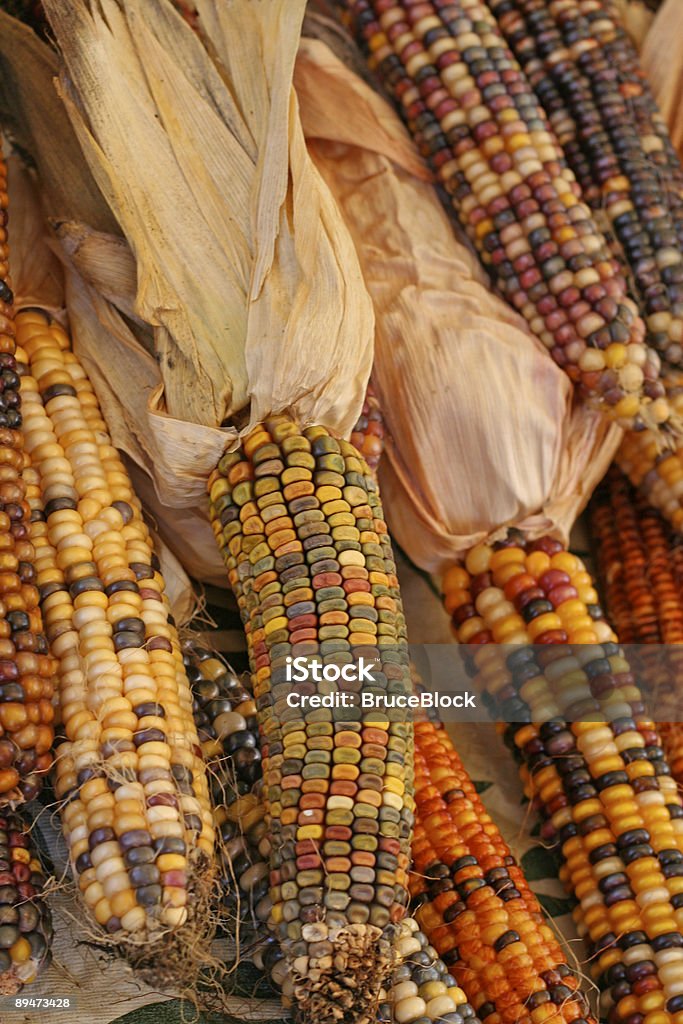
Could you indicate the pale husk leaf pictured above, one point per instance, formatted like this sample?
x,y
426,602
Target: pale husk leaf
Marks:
x,y
177,586
244,267
666,75
106,262
482,429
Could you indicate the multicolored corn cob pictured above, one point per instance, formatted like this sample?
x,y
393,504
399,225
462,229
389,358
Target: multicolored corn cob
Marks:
x,y
474,903
476,119
225,716
603,784
585,71
25,922
368,433
639,559
130,777
300,524
26,668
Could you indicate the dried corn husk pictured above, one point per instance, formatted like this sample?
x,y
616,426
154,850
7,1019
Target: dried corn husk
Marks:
x,y
37,277
662,59
482,429
37,123
244,268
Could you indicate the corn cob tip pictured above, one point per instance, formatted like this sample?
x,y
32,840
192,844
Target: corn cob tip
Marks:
x,y
170,959
346,985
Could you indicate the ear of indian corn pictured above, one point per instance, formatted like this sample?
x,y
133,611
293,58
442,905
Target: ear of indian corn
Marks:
x,y
225,716
25,922
132,786
639,559
473,901
603,785
300,524
585,72
420,988
26,668
476,119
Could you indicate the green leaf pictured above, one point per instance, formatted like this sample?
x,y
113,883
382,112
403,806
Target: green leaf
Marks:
x,y
555,906
481,787
173,1011
540,863
167,1012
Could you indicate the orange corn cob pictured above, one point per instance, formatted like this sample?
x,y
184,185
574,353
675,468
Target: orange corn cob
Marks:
x,y
474,903
603,785
639,561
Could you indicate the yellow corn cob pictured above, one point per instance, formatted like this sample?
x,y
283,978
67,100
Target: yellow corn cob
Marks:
x,y
134,794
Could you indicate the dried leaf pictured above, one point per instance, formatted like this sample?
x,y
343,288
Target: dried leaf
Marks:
x,y
374,124
36,121
244,266
104,261
666,76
